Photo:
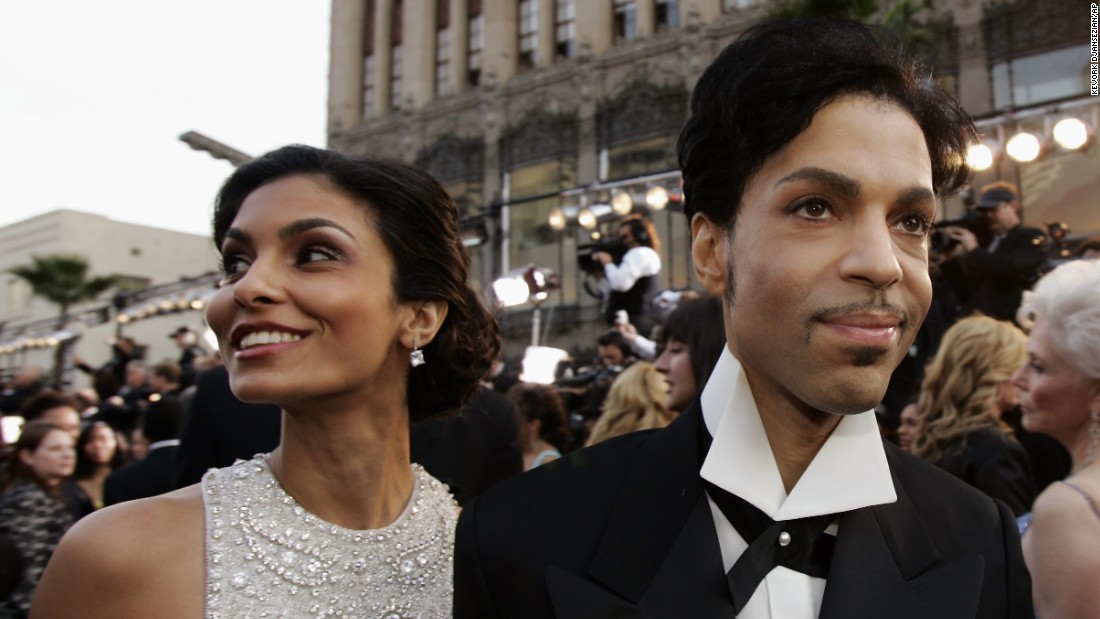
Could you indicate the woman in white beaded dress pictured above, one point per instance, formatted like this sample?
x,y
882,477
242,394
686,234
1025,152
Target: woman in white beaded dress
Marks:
x,y
345,302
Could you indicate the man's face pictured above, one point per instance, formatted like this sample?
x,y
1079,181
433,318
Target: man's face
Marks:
x,y
1003,218
627,237
826,272
610,355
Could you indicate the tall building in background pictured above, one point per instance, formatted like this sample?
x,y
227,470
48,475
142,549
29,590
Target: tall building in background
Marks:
x,y
526,109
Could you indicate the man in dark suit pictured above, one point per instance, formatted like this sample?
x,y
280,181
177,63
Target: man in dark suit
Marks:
x,y
812,161
156,473
992,278
220,429
473,450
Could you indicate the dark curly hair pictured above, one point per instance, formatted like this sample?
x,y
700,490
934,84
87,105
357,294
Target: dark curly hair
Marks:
x,y
418,223
544,404
764,89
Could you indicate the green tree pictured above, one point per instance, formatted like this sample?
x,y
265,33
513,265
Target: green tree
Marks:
x,y
62,280
916,22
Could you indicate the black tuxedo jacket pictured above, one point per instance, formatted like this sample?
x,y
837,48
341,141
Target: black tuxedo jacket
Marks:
x,y
472,450
220,429
154,475
623,529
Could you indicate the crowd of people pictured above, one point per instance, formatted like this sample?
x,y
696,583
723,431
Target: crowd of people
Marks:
x,y
356,447
78,452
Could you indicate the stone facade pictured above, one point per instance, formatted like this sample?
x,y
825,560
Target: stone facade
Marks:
x,y
581,112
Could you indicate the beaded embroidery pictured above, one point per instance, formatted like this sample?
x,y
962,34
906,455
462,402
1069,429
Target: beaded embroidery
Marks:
x,y
266,556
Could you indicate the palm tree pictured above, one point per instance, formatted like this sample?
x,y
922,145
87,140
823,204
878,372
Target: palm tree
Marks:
x,y
62,280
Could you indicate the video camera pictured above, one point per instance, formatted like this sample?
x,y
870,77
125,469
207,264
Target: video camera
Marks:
x,y
973,220
588,264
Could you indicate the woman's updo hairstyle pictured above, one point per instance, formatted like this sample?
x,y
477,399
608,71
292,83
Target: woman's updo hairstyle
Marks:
x,y
418,222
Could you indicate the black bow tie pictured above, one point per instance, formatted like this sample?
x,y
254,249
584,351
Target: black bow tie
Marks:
x,y
800,544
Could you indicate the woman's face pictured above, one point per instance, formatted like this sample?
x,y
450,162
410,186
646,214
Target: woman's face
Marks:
x,y
101,446
308,309
54,459
907,428
1054,396
675,363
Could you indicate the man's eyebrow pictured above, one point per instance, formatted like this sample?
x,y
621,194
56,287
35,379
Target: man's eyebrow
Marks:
x,y
305,225
237,235
837,182
915,196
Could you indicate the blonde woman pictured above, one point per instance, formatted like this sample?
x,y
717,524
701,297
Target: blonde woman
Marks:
x,y
636,401
1060,396
967,387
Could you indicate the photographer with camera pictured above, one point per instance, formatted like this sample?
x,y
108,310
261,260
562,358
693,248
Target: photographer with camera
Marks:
x,y
992,277
633,280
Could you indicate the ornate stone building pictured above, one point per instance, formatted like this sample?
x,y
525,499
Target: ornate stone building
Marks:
x,y
522,107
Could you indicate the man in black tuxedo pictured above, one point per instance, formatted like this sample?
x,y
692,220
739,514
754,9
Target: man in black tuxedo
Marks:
x,y
812,161
992,278
156,473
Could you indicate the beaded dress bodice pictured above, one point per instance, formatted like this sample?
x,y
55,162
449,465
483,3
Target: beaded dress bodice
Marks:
x,y
266,556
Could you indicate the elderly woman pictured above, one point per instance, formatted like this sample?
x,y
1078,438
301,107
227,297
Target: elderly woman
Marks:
x,y
966,389
345,302
1060,396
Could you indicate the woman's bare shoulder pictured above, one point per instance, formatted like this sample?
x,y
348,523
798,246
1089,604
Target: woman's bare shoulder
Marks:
x,y
145,525
157,541
1075,500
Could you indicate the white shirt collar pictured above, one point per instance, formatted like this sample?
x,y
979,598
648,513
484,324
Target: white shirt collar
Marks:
x,y
850,471
172,442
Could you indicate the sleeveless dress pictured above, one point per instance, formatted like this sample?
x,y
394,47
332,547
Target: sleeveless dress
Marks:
x,y
266,556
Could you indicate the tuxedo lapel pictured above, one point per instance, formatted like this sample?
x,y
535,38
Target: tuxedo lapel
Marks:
x,y
688,583
885,565
658,540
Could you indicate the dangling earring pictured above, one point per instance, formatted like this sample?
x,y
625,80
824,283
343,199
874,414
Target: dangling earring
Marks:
x,y
416,357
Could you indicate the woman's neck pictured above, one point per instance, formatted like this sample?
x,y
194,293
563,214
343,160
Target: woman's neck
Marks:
x,y
349,468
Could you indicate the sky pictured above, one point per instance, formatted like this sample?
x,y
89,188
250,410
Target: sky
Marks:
x,y
93,97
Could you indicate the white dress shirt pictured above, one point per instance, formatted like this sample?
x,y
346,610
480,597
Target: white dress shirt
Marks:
x,y
637,262
849,472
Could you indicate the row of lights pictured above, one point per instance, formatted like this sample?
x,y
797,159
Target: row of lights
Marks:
x,y
32,343
622,203
166,305
1070,133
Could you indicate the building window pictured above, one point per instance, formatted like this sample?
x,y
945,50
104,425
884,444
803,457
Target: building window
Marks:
x,y
442,47
370,69
528,33
565,29
370,78
396,21
625,20
667,15
395,78
1039,78
475,42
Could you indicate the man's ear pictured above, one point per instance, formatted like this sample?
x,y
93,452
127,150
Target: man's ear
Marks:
x,y
425,319
709,249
